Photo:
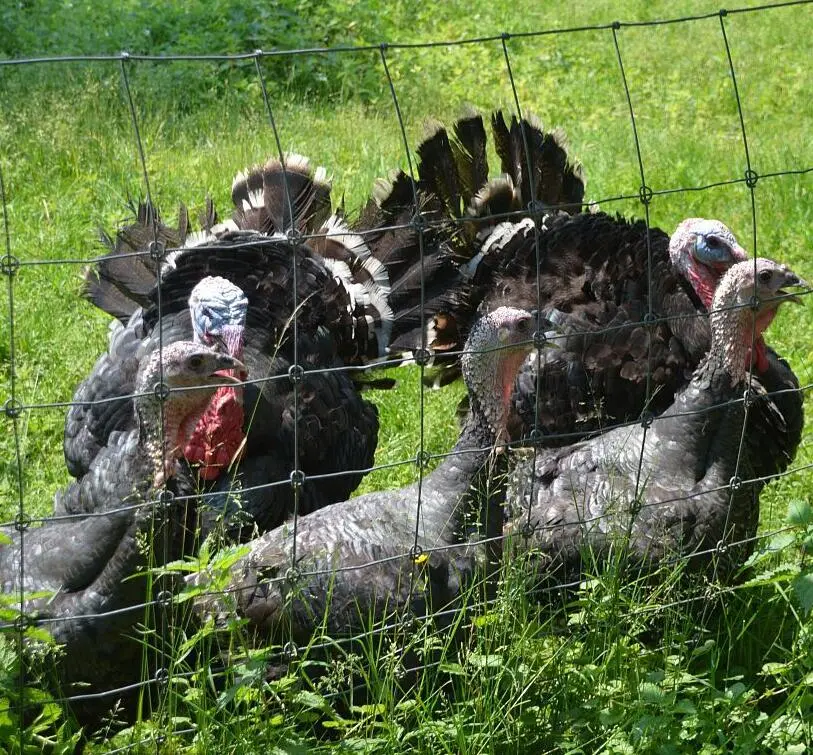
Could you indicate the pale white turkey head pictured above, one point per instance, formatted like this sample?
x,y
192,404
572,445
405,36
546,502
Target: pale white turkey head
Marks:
x,y
175,385
495,349
745,303
218,311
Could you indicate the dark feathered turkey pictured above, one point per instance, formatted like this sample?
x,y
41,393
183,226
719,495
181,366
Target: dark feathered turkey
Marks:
x,y
654,495
351,295
355,560
84,571
599,277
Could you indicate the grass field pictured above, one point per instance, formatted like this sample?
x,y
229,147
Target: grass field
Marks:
x,y
70,162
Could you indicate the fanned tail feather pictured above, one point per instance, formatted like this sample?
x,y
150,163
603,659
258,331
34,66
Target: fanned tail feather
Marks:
x,y
120,282
265,195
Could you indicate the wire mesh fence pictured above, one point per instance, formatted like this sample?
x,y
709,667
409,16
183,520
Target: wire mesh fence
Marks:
x,y
159,610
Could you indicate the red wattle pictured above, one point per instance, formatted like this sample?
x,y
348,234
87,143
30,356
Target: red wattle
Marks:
x,y
218,436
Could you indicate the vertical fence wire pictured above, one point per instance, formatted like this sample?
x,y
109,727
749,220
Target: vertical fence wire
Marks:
x,y
161,519
645,195
9,266
295,371
535,212
750,181
418,226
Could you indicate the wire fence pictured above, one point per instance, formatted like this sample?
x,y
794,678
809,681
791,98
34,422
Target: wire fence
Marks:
x,y
162,508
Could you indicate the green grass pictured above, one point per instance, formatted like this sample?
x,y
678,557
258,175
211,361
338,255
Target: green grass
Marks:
x,y
69,164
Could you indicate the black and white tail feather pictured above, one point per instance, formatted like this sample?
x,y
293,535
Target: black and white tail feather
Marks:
x,y
470,224
121,282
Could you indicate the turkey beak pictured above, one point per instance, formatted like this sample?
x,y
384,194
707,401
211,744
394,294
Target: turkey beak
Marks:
x,y
795,281
228,365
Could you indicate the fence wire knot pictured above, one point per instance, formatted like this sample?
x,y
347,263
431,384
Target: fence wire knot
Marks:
x,y
528,530
645,194
735,483
415,552
9,265
161,676
297,478
292,575
421,357
22,522
290,651
536,436
647,418
418,222
748,398
12,408
722,547
164,599
22,622
294,237
295,374
649,318
161,391
540,339
158,250
751,178
163,501
422,459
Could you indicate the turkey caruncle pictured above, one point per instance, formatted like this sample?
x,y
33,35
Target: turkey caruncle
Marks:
x,y
352,566
631,347
78,575
300,409
679,488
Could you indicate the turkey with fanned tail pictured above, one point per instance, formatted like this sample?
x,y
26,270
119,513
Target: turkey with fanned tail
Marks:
x,y
296,300
633,301
682,487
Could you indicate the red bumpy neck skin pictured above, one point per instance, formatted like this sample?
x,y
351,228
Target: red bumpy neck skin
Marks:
x,y
217,441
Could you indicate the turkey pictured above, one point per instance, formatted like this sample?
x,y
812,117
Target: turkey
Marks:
x,y
666,490
354,561
76,573
340,315
593,281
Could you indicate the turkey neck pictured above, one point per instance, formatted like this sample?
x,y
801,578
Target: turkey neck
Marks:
x,y
470,466
692,420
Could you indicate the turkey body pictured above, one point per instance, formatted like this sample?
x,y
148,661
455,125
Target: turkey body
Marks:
x,y
301,411
631,300
656,493
82,578
355,562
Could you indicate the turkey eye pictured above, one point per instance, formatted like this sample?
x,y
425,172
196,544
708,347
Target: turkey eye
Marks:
x,y
195,362
765,276
714,242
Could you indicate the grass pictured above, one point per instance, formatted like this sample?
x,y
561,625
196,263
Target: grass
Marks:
x,y
69,163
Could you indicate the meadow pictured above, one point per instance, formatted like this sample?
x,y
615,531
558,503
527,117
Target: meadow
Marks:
x,y
623,668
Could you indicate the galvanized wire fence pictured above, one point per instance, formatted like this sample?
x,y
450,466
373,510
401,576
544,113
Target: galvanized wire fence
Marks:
x,y
162,507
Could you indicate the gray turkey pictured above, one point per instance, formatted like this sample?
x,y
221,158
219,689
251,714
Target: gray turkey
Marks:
x,y
666,491
591,275
355,560
344,317
77,573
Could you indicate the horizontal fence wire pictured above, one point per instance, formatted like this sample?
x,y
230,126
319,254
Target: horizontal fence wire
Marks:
x,y
14,408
